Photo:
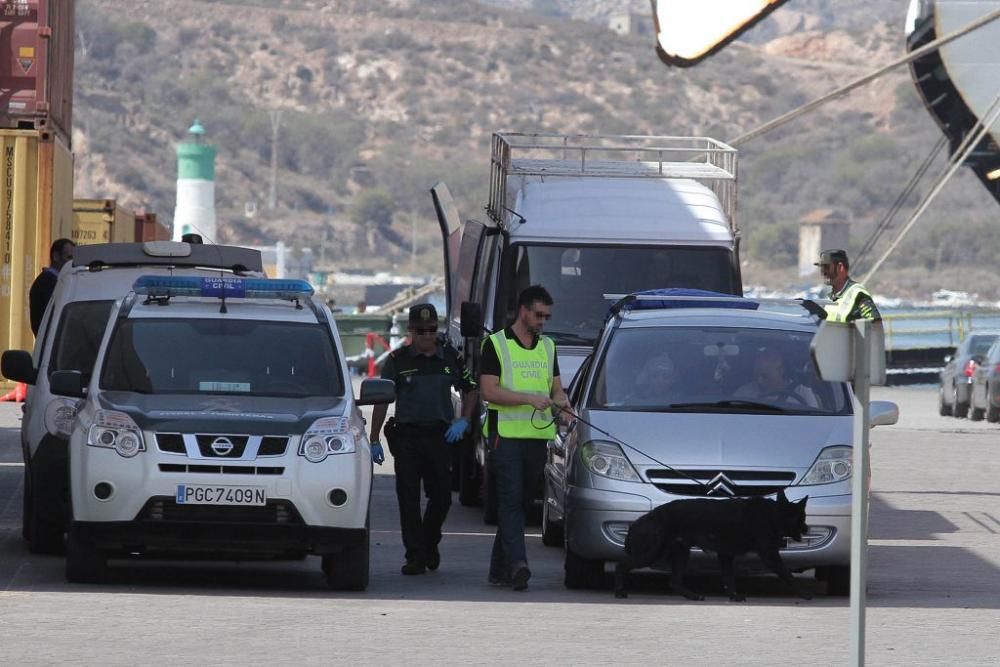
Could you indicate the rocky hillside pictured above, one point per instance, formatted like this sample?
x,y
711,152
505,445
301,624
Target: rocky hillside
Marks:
x,y
384,99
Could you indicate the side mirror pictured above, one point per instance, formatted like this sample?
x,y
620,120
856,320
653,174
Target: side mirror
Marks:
x,y
17,365
377,391
472,320
67,383
883,413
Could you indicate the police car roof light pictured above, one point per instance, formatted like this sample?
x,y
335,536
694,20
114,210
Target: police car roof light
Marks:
x,y
222,287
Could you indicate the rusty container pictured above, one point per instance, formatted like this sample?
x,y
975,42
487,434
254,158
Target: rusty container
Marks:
x,y
148,229
101,221
36,204
36,65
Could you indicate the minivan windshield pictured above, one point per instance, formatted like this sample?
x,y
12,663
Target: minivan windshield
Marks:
x,y
578,277
713,369
222,356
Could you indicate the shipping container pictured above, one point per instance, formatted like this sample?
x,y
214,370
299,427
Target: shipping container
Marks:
x,y
101,221
36,65
36,200
147,228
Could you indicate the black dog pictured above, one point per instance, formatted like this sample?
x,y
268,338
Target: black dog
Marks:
x,y
729,528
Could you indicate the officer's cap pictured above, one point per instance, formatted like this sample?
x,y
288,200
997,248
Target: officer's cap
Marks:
x,y
832,257
423,314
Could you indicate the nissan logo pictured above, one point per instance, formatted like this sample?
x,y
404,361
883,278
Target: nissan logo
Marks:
x,y
222,446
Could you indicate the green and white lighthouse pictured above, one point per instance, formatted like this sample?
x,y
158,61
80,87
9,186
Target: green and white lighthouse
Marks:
x,y
195,210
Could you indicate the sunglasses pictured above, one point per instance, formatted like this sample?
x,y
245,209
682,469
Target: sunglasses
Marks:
x,y
424,330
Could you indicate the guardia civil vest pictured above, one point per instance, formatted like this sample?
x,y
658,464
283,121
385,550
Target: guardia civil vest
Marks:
x,y
530,372
842,307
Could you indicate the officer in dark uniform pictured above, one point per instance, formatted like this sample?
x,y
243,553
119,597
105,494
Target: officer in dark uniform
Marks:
x,y
424,372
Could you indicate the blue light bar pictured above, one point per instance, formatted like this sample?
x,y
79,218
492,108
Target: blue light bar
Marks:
x,y
684,297
222,287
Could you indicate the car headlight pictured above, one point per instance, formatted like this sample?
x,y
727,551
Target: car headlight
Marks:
x,y
116,430
59,416
608,460
834,464
326,437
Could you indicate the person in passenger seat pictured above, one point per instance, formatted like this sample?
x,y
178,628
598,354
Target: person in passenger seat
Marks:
x,y
654,383
770,383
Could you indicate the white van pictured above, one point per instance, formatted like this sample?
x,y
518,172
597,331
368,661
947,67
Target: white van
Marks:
x,y
68,339
584,216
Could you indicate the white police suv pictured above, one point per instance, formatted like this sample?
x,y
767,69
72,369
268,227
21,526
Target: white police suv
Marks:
x,y
220,419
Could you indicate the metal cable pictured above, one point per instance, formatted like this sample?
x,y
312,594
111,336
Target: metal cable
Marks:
x,y
897,205
970,142
913,55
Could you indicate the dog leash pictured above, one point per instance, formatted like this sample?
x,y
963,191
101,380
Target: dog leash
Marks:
x,y
616,439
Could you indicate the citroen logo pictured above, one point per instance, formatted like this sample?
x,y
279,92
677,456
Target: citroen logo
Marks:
x,y
222,446
720,485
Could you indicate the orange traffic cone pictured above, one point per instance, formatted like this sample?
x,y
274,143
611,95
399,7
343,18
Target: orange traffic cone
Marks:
x,y
17,394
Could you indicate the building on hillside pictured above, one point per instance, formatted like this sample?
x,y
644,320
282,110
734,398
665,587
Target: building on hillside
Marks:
x,y
820,229
630,23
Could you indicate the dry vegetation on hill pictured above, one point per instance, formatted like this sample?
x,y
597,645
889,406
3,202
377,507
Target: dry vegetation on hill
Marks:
x,y
394,96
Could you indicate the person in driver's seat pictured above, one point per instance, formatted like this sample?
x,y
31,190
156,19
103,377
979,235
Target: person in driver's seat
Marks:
x,y
770,384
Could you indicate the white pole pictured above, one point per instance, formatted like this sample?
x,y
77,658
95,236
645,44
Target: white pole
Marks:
x,y
413,245
859,491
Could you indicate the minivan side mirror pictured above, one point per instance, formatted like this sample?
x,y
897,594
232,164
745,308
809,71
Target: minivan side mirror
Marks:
x,y
472,320
377,391
883,413
67,383
17,365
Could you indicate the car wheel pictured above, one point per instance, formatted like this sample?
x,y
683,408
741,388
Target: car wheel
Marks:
x,y
976,414
582,573
85,563
552,532
44,533
470,483
489,495
348,570
943,408
838,579
960,410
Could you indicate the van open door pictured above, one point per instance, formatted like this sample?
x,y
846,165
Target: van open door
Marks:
x,y
451,237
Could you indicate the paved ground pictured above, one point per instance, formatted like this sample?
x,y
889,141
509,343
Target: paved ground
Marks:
x,y
934,590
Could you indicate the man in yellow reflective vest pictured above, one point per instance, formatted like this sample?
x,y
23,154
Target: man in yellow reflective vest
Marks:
x,y
519,378
851,300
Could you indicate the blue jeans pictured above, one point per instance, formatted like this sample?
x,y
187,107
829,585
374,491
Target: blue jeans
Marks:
x,y
518,464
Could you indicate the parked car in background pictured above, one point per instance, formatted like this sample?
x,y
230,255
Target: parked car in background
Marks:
x,y
956,377
710,402
985,396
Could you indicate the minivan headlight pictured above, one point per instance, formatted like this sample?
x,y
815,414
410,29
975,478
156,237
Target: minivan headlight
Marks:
x,y
834,464
608,460
326,437
59,416
116,430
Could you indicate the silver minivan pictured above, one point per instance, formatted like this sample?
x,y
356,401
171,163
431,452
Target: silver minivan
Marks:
x,y
683,402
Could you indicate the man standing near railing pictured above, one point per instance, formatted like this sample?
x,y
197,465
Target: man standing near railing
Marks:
x,y
851,300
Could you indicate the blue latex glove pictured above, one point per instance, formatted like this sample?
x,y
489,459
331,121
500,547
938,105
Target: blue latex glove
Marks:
x,y
456,430
378,456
